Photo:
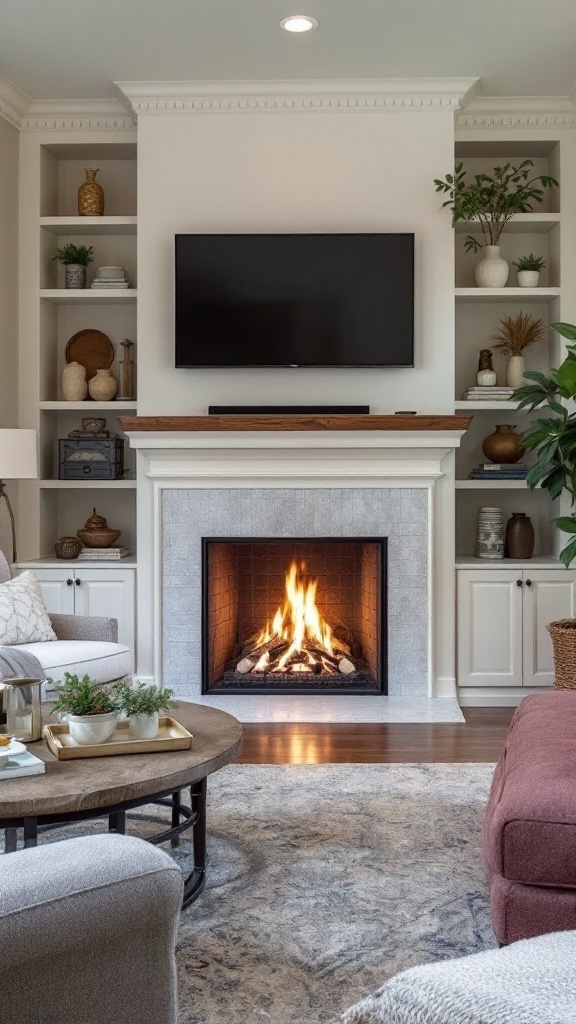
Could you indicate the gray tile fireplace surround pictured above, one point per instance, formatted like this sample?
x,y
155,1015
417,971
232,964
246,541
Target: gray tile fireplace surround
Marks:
x,y
400,514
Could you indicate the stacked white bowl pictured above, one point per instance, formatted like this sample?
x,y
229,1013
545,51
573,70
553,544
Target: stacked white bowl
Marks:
x,y
490,535
111,277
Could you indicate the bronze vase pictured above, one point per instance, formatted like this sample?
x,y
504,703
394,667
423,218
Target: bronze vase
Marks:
x,y
90,196
519,536
504,445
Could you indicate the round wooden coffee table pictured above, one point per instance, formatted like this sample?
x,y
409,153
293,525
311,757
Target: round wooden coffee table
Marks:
x,y
94,787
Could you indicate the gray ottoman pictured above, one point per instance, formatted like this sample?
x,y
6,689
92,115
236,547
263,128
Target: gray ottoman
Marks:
x,y
529,982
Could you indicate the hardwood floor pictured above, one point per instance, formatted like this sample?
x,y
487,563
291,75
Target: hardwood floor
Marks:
x,y
480,739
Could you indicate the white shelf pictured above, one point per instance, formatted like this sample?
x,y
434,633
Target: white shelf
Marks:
x,y
90,225
506,294
88,296
537,562
50,562
82,485
521,223
491,485
481,406
88,406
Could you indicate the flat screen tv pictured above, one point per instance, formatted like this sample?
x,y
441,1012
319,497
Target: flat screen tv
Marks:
x,y
294,300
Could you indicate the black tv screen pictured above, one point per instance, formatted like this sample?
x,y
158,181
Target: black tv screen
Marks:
x,y
294,300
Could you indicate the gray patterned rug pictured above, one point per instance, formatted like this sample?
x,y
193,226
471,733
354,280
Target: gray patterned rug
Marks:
x,y
324,880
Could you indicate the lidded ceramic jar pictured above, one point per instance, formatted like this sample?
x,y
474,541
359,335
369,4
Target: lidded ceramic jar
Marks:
x,y
103,386
97,533
74,386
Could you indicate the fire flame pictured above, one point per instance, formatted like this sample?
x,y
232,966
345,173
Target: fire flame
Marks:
x,y
297,620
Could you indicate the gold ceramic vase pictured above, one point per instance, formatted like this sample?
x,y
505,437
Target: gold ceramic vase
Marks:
x,y
504,445
90,196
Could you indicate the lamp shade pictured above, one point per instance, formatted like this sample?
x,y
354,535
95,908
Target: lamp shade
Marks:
x,y
18,455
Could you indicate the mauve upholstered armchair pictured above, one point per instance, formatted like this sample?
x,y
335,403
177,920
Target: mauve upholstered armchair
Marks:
x,y
87,933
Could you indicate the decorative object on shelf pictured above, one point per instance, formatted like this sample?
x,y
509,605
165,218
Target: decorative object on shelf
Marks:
x,y
104,554
563,636
492,201
126,387
74,383
499,471
103,386
67,547
93,349
75,259
553,437
517,333
91,453
142,703
97,533
20,703
528,270
90,195
484,393
519,541
111,277
486,375
90,709
504,445
490,533
18,461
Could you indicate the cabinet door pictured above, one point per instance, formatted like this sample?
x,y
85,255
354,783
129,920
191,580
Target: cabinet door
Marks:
x,y
108,592
489,627
547,596
57,586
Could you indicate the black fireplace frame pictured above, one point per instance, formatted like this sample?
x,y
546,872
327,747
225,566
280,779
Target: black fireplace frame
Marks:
x,y
381,685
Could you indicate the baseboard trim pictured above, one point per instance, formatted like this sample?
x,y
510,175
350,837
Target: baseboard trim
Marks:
x,y
488,697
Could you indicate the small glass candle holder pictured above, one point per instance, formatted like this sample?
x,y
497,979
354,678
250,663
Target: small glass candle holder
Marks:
x,y
21,708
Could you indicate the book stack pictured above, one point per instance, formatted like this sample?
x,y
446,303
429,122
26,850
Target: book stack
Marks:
x,y
488,394
110,277
103,554
22,764
500,471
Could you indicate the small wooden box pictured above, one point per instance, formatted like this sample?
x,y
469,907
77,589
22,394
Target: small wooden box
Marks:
x,y
91,458
171,736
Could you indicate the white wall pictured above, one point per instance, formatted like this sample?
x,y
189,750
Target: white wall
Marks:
x,y
305,171
8,300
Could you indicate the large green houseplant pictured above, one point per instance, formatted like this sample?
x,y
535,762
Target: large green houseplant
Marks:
x,y
553,437
492,200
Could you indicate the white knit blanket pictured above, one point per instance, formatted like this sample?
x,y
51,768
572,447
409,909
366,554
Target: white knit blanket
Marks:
x,y
529,982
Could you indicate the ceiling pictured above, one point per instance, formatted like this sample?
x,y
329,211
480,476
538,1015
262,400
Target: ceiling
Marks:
x,y
77,49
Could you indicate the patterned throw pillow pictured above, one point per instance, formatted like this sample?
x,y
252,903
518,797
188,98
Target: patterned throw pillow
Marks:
x,y
23,615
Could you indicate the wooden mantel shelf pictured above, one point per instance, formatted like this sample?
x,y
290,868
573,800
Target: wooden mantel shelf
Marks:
x,y
297,422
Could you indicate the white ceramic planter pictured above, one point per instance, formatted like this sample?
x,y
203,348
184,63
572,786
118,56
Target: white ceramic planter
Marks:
x,y
515,372
492,271
528,278
85,729
143,727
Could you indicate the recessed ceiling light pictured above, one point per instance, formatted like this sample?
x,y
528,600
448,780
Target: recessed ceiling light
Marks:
x,y
298,23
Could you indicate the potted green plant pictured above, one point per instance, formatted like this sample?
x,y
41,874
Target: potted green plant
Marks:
x,y
517,333
528,270
90,708
492,201
553,437
141,704
75,259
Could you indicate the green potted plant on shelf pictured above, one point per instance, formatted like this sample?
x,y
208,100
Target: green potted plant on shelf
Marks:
x,y
516,334
141,704
90,709
528,270
75,259
492,201
553,437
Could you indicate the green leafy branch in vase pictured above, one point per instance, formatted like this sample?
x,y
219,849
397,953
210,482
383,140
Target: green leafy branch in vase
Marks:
x,y
553,438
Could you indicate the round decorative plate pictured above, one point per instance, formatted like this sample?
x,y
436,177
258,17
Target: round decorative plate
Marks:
x,y
91,349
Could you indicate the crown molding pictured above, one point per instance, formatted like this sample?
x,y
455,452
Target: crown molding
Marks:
x,y
352,96
27,114
519,112
13,102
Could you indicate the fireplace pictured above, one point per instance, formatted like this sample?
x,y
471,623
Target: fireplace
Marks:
x,y
288,615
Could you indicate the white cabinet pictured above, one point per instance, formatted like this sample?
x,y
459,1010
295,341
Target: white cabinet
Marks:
x,y
502,616
79,591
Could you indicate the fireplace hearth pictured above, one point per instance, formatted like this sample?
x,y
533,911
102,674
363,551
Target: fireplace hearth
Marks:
x,y
294,615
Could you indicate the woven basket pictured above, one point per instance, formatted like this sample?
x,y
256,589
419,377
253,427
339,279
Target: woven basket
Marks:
x,y
563,633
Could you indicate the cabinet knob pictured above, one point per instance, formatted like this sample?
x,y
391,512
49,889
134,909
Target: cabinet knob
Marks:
x,y
77,582
69,583
518,583
528,583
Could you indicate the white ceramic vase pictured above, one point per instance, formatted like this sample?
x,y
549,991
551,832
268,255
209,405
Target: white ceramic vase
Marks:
x,y
143,727
492,271
85,729
528,278
74,386
515,372
103,386
486,378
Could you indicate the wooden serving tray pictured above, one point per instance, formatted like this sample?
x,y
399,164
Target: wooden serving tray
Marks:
x,y
171,736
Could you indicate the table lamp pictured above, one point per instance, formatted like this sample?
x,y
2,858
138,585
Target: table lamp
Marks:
x,y
18,461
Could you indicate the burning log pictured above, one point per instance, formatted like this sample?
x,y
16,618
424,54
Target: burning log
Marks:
x,y
346,667
245,665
